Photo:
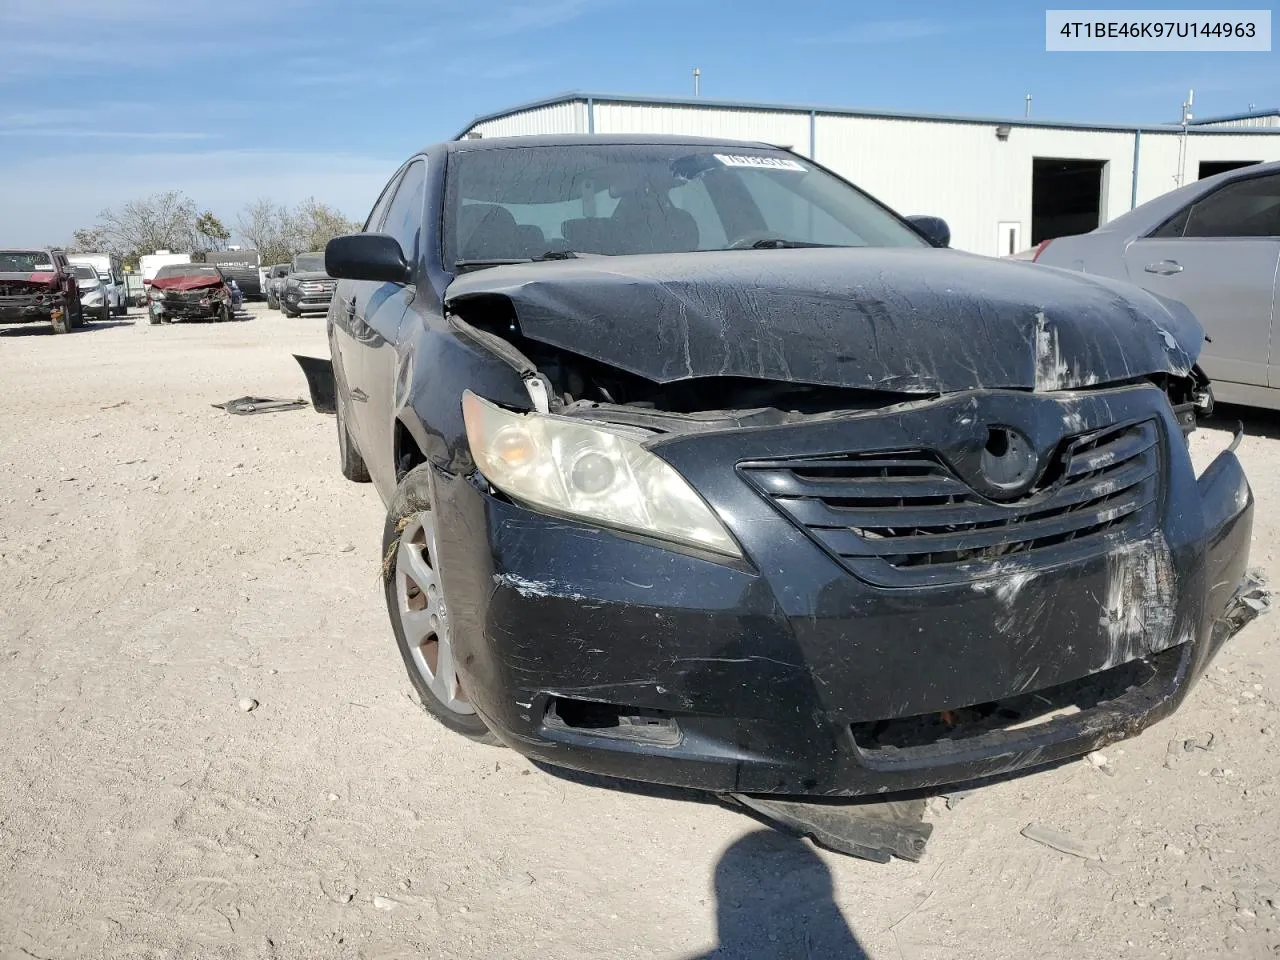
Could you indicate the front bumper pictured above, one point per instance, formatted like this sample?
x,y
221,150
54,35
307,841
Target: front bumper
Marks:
x,y
176,310
25,310
309,303
790,674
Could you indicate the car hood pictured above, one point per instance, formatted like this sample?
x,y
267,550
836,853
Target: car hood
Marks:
x,y
902,320
309,275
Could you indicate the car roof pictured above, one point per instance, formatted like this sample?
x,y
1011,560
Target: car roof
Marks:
x,y
594,140
1159,209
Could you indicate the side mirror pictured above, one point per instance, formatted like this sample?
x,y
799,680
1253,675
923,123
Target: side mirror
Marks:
x,y
934,229
366,256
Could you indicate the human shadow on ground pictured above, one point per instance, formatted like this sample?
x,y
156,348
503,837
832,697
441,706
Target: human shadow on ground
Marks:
x,y
775,900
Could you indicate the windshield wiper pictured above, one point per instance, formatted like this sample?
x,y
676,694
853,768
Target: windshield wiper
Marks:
x,y
777,243
476,264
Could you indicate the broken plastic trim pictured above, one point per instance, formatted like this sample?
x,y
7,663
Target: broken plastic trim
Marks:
x,y
870,831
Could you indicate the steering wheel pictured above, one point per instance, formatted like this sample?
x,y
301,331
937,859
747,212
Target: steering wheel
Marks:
x,y
748,240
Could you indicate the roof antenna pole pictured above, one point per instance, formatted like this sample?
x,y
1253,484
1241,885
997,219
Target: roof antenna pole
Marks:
x,y
1028,99
697,81
1182,140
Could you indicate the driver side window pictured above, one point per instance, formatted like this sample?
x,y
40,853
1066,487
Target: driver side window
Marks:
x,y
404,215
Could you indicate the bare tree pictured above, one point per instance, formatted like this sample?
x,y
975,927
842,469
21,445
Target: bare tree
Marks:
x,y
316,223
90,240
163,221
266,226
278,232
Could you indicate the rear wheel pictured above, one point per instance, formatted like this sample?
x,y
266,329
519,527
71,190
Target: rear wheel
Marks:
x,y
418,609
349,459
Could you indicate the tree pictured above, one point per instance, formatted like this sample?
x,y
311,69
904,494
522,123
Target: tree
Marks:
x,y
212,235
315,224
90,240
163,221
278,232
266,226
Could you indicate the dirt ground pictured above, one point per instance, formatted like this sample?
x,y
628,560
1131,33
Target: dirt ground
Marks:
x,y
161,560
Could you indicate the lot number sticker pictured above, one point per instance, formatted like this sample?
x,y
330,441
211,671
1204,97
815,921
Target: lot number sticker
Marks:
x,y
767,163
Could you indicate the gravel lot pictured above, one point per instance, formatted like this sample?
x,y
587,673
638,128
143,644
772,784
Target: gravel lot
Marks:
x,y
161,560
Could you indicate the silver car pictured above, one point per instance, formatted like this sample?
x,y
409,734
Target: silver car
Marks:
x,y
1214,245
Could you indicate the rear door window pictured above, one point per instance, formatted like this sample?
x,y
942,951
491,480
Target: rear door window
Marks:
x,y
1245,208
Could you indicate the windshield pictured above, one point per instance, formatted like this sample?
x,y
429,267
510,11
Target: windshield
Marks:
x,y
525,202
187,270
84,273
25,261
308,263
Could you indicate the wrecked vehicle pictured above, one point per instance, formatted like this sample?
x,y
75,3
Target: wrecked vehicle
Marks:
x,y
703,467
37,286
306,288
190,291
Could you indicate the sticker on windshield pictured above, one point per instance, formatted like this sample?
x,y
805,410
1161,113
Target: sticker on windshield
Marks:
x,y
767,163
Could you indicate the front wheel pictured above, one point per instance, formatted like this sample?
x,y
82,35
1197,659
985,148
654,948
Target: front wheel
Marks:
x,y
224,314
61,321
104,313
418,609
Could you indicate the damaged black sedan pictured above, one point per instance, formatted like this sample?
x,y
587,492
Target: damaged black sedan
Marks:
x,y
705,468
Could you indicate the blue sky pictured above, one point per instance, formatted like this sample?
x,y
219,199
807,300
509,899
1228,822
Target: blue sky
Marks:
x,y
105,101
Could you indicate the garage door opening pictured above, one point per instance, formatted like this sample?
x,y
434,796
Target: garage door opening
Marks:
x,y
1210,167
1066,197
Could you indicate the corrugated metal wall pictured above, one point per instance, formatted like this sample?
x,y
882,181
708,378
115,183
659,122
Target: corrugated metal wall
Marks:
x,y
1262,120
960,171
556,118
783,129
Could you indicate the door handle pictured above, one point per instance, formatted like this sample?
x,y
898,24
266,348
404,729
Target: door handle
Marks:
x,y
360,395
1164,268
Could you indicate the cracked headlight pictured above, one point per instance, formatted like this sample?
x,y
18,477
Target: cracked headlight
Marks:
x,y
589,473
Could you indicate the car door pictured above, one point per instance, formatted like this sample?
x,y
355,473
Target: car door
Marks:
x,y
344,347
1219,256
376,311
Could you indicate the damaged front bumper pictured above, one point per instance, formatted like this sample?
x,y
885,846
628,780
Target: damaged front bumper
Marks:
x,y
25,310
842,661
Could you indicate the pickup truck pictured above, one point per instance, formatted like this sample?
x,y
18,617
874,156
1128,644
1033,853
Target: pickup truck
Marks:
x,y
37,286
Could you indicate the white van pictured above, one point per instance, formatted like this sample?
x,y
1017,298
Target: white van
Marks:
x,y
109,270
150,263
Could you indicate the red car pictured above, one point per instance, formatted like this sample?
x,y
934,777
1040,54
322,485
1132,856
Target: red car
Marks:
x,y
38,285
190,291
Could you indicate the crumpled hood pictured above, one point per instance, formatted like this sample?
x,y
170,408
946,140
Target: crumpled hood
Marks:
x,y
36,282
903,320
186,283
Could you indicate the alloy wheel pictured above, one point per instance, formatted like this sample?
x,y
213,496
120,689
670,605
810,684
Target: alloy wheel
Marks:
x,y
424,616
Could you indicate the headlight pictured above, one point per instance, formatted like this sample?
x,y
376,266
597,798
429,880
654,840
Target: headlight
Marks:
x,y
93,297
588,472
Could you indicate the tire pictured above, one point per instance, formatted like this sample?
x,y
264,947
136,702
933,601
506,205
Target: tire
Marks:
x,y
77,318
350,462
224,314
62,322
272,303
289,313
408,561
104,315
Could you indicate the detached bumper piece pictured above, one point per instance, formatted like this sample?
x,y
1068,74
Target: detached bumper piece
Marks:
x,y
869,831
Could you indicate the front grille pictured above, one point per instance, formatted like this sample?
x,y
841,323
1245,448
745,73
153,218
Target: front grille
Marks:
x,y
907,511
318,287
187,296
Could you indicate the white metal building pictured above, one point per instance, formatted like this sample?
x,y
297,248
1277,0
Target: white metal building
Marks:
x,y
1001,184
